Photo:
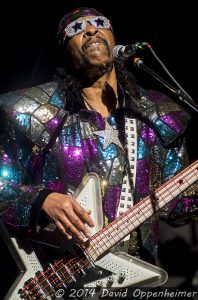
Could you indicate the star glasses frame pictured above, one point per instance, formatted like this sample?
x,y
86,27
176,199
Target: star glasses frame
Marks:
x,y
79,26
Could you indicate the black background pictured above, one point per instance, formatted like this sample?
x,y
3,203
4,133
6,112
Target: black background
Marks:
x,y
28,53
28,48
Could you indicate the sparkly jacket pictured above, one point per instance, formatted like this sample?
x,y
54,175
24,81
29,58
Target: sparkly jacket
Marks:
x,y
46,145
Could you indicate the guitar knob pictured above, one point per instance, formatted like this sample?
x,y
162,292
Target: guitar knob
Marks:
x,y
110,281
121,277
99,283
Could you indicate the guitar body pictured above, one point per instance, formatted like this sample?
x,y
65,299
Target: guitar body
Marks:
x,y
49,266
49,250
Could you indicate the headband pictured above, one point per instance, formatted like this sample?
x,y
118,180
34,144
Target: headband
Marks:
x,y
72,16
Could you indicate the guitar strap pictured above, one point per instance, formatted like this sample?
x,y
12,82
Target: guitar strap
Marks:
x,y
128,184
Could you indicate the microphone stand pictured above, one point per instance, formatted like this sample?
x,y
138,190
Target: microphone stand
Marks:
x,y
177,92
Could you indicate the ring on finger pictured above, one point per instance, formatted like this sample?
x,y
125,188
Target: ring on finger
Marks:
x,y
75,221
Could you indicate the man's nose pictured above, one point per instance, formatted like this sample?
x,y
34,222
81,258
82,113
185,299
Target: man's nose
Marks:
x,y
90,30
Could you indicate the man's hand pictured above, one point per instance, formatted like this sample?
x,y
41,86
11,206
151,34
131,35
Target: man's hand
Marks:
x,y
68,216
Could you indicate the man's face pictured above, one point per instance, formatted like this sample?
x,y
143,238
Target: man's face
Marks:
x,y
92,46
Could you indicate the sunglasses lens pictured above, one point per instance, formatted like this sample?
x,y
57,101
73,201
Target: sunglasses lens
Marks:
x,y
79,26
100,22
75,27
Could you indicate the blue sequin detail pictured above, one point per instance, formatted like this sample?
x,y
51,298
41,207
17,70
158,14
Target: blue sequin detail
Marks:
x,y
9,99
71,136
56,100
165,131
23,120
5,173
112,120
23,210
172,164
142,149
8,173
109,152
9,193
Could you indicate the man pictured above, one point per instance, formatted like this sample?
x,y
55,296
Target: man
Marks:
x,y
92,118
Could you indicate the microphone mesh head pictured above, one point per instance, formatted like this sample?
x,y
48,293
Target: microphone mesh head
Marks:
x,y
116,52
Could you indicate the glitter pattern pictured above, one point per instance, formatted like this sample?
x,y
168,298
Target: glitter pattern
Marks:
x,y
157,154
90,149
165,130
143,151
53,123
148,135
36,128
108,136
56,100
26,105
110,205
77,150
171,122
156,96
37,94
48,87
45,113
172,164
166,107
143,173
23,120
10,98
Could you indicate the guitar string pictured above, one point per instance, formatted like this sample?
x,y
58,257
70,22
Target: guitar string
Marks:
x,y
148,198
175,178
61,283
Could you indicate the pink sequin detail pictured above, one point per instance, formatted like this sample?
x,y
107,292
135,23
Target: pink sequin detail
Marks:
x,y
148,135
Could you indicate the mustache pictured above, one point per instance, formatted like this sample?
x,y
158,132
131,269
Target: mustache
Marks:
x,y
94,40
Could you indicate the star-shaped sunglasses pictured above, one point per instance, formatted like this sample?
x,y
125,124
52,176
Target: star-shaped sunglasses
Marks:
x,y
79,26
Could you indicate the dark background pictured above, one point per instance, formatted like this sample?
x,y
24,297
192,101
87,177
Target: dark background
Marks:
x,y
28,53
28,50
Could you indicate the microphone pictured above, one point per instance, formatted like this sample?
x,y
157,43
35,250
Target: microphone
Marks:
x,y
121,52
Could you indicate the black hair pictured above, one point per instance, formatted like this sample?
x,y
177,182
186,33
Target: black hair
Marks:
x,y
69,80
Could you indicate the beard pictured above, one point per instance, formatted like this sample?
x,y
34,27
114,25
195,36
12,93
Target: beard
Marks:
x,y
96,60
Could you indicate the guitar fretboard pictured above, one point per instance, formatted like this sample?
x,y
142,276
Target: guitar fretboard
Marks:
x,y
106,238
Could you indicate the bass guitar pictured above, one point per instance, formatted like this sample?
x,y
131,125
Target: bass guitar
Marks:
x,y
49,265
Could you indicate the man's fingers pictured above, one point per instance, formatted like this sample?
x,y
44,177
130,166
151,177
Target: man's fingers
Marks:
x,y
83,215
73,227
63,230
78,224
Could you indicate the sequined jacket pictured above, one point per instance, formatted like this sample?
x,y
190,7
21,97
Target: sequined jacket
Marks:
x,y
46,148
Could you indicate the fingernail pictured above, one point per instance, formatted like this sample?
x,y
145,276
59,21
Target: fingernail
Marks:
x,y
87,233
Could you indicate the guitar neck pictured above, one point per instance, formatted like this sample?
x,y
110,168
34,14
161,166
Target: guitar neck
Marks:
x,y
107,237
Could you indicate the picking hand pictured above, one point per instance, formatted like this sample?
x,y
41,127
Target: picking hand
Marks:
x,y
68,215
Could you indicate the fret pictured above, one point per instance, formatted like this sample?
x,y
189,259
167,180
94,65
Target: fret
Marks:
x,y
132,218
117,231
66,271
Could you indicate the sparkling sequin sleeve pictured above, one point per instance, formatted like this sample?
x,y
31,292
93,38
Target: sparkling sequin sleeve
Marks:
x,y
29,118
165,115
170,122
20,203
184,208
